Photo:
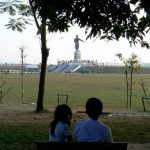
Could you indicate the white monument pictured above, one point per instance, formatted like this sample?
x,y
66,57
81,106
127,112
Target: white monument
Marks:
x,y
77,53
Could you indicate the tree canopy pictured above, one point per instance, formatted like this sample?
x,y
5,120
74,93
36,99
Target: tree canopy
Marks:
x,y
109,19
106,19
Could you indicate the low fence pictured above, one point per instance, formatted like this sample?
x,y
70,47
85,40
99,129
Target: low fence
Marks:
x,y
17,72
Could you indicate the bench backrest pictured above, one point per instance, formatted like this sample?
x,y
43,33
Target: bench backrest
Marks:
x,y
81,145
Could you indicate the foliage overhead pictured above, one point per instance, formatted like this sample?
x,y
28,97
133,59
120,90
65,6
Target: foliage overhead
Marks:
x,y
142,4
19,8
56,13
107,19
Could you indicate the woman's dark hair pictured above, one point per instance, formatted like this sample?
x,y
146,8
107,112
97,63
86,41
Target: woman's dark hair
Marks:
x,y
61,114
94,107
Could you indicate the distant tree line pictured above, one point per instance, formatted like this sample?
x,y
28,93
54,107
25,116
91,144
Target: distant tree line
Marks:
x,y
111,69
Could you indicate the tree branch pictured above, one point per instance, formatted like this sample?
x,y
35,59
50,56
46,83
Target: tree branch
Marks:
x,y
34,15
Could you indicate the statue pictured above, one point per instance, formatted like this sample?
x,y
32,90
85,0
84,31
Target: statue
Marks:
x,y
76,41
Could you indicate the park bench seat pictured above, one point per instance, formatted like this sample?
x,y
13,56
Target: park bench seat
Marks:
x,y
45,145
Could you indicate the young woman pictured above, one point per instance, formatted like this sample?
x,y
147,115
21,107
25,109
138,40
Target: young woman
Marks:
x,y
59,129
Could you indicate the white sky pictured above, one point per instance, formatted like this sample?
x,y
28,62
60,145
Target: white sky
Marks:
x,y
62,46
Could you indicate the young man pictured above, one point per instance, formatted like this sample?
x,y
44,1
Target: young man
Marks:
x,y
92,130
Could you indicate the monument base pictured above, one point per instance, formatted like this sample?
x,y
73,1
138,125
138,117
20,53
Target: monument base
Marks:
x,y
77,56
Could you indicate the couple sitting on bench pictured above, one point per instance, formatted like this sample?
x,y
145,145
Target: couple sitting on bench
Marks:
x,y
90,134
90,130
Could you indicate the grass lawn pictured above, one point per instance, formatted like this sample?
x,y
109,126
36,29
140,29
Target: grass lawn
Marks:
x,y
20,126
110,88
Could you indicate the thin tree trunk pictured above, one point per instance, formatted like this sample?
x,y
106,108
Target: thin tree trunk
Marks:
x,y
44,52
142,84
22,73
126,72
131,86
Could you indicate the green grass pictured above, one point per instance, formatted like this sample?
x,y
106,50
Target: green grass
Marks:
x,y
131,132
25,133
110,88
23,136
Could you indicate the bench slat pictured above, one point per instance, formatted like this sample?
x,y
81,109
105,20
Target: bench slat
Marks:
x,y
81,145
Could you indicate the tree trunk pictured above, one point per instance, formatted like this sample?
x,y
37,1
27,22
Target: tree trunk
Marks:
x,y
131,87
126,73
44,52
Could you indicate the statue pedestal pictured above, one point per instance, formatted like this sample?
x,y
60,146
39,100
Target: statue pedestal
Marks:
x,y
77,56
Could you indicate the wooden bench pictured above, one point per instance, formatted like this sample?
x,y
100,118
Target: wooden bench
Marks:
x,y
45,145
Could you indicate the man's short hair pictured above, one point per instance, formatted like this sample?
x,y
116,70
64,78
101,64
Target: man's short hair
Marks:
x,y
94,107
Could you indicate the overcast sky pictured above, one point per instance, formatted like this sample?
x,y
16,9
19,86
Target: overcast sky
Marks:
x,y
62,46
